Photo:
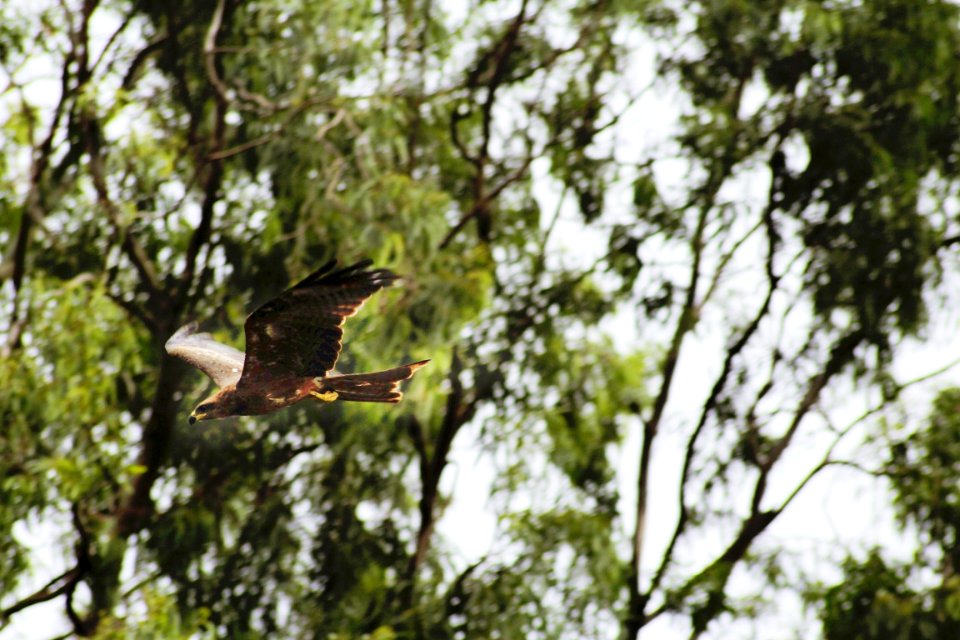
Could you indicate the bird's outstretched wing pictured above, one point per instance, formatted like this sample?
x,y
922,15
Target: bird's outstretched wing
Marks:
x,y
222,363
297,334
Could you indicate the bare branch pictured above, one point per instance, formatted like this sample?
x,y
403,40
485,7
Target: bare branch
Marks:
x,y
139,59
482,205
733,351
131,246
497,59
689,313
34,207
209,54
138,507
458,412
685,323
828,459
220,87
56,587
82,627
691,448
111,41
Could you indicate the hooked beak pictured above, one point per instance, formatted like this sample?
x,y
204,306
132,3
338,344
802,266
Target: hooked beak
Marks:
x,y
196,417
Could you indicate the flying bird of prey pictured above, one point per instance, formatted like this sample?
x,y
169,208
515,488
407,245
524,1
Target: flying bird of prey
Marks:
x,y
293,342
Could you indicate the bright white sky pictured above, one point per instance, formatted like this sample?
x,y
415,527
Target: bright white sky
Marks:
x,y
839,511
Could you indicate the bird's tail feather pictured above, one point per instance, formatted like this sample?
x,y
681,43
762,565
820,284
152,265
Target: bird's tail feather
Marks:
x,y
379,386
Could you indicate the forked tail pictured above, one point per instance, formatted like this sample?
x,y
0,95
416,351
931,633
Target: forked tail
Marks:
x,y
380,386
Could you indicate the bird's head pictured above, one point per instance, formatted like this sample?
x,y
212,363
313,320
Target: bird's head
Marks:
x,y
223,404
215,407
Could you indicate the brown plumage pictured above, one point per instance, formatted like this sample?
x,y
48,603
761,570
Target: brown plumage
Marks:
x,y
293,343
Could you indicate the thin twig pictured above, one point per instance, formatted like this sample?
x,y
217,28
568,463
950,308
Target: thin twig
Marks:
x,y
209,53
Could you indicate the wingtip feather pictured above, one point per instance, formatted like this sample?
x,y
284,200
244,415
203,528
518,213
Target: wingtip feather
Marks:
x,y
186,330
327,275
416,366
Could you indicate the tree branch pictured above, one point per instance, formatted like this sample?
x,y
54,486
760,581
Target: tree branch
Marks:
x,y
498,59
458,412
210,56
715,576
92,138
34,205
719,171
733,351
141,58
210,51
212,164
133,515
44,594
82,626
685,323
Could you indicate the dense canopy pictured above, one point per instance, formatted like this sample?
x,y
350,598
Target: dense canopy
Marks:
x,y
687,272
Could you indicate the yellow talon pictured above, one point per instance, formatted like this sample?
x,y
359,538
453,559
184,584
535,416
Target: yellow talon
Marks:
x,y
326,396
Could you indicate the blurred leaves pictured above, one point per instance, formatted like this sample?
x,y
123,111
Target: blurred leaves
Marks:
x,y
188,161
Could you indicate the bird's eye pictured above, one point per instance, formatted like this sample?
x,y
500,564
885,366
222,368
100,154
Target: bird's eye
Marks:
x,y
204,407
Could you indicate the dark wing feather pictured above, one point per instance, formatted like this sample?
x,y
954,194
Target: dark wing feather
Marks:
x,y
298,333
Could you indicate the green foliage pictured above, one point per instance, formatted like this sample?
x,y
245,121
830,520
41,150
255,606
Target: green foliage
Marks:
x,y
879,598
592,392
875,601
192,159
925,475
160,620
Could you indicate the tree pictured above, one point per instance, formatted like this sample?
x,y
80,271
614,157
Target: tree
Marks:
x,y
895,598
196,158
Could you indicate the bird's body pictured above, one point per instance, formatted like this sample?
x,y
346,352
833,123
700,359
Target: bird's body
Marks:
x,y
293,342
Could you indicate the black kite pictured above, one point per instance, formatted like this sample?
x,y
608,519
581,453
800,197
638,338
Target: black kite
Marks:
x,y
293,342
